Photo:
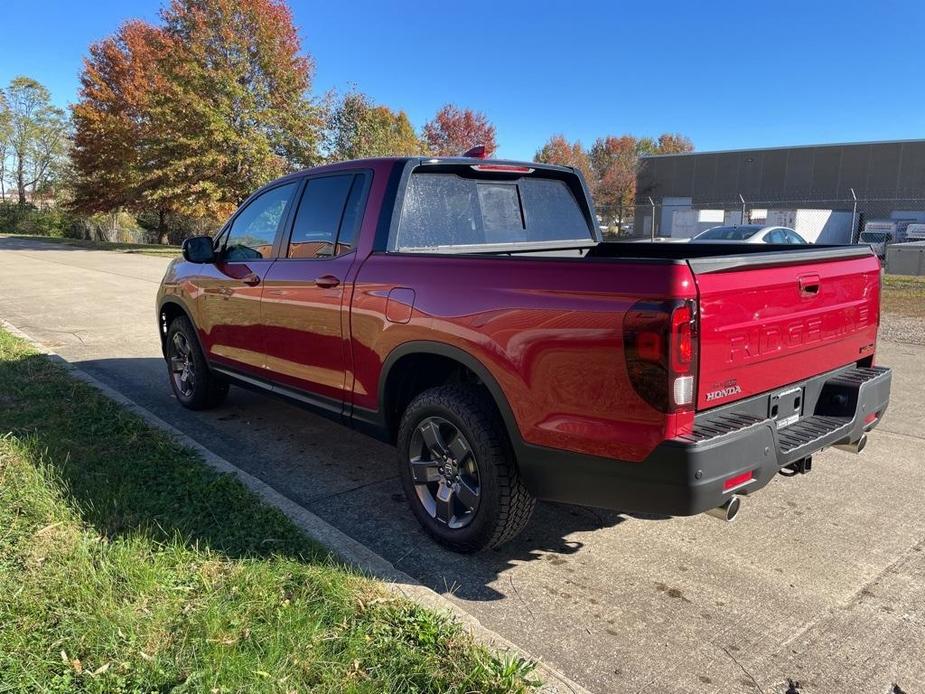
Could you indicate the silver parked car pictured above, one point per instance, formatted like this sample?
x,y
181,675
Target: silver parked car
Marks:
x,y
749,233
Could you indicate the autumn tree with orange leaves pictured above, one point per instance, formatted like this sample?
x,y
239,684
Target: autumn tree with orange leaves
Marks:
x,y
558,150
672,143
611,166
454,130
614,162
190,116
112,122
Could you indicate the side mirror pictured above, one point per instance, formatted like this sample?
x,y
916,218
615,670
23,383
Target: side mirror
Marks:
x,y
199,249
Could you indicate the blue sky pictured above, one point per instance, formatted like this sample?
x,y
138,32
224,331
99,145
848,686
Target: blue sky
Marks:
x,y
727,74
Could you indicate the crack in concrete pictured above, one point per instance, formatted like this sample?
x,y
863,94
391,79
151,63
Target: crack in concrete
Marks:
x,y
742,668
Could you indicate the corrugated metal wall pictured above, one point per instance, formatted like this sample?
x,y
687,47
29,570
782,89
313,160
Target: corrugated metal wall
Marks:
x,y
826,173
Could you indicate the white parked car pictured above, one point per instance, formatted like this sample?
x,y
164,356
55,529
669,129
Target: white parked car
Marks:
x,y
749,233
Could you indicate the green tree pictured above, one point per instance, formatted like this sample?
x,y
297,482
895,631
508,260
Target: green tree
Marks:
x,y
6,131
186,118
357,128
36,137
234,109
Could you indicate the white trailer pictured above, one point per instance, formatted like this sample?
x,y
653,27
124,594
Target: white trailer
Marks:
x,y
690,222
880,233
915,232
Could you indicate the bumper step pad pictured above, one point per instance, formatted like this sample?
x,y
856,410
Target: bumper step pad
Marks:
x,y
804,432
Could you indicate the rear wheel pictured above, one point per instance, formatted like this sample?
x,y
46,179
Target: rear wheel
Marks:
x,y
191,380
458,472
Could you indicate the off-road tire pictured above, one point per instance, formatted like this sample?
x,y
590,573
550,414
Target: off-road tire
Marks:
x,y
505,505
208,389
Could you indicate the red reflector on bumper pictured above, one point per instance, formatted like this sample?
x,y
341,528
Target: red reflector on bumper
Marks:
x,y
733,482
869,419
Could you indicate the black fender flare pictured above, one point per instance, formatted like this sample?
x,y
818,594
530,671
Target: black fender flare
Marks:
x,y
180,304
466,359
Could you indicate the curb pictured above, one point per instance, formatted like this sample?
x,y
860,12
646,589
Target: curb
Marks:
x,y
339,543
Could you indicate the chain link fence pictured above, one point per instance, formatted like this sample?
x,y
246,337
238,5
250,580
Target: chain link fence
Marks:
x,y
831,221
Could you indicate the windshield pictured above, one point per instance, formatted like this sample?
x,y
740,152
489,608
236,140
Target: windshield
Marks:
x,y
727,234
443,211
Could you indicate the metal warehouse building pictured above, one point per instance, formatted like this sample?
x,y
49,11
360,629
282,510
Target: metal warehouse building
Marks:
x,y
834,188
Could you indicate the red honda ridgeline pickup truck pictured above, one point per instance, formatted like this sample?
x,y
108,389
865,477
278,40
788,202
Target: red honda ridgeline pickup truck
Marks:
x,y
467,311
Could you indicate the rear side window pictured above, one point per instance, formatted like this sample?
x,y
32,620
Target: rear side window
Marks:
x,y
728,233
776,236
442,211
353,215
327,217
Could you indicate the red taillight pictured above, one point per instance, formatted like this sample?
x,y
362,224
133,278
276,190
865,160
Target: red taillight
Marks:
x,y
659,340
649,346
737,480
682,338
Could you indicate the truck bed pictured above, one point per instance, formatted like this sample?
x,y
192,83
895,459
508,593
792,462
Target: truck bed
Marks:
x,y
769,316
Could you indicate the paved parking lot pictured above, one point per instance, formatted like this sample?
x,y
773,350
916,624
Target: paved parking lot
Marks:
x,y
821,580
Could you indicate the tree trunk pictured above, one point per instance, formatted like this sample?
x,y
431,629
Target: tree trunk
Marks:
x,y
162,227
21,181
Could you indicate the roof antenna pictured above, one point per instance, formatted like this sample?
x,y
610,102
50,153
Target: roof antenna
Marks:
x,y
477,152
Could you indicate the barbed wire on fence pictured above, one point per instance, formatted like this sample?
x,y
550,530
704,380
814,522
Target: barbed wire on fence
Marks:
x,y
817,219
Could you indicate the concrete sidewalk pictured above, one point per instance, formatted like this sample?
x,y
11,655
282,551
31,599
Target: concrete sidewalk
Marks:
x,y
821,580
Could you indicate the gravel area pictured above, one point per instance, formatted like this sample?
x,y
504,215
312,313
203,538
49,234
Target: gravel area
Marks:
x,y
898,328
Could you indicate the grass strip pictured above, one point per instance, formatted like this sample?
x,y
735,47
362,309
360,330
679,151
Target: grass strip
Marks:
x,y
904,295
127,564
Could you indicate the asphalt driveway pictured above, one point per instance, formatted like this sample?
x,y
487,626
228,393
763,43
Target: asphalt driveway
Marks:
x,y
821,580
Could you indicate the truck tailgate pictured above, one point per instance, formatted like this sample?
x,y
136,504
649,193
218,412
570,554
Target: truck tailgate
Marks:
x,y
770,320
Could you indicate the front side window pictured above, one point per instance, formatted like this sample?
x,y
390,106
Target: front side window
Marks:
x,y
328,216
443,211
251,234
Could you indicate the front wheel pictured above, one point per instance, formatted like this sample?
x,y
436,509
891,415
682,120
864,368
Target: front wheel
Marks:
x,y
192,382
458,471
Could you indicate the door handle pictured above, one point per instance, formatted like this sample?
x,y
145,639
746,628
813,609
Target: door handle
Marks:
x,y
251,280
809,285
327,281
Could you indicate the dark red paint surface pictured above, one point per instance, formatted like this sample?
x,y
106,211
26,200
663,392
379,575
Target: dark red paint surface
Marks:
x,y
548,329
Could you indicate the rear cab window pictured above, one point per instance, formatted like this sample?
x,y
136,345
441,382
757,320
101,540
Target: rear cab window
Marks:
x,y
455,211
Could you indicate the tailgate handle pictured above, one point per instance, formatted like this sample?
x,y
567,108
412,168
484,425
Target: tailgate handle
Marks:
x,y
809,285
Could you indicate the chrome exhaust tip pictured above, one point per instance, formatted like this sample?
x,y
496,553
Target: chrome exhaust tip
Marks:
x,y
728,511
855,446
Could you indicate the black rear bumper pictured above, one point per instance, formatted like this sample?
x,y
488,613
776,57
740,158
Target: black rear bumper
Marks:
x,y
686,476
